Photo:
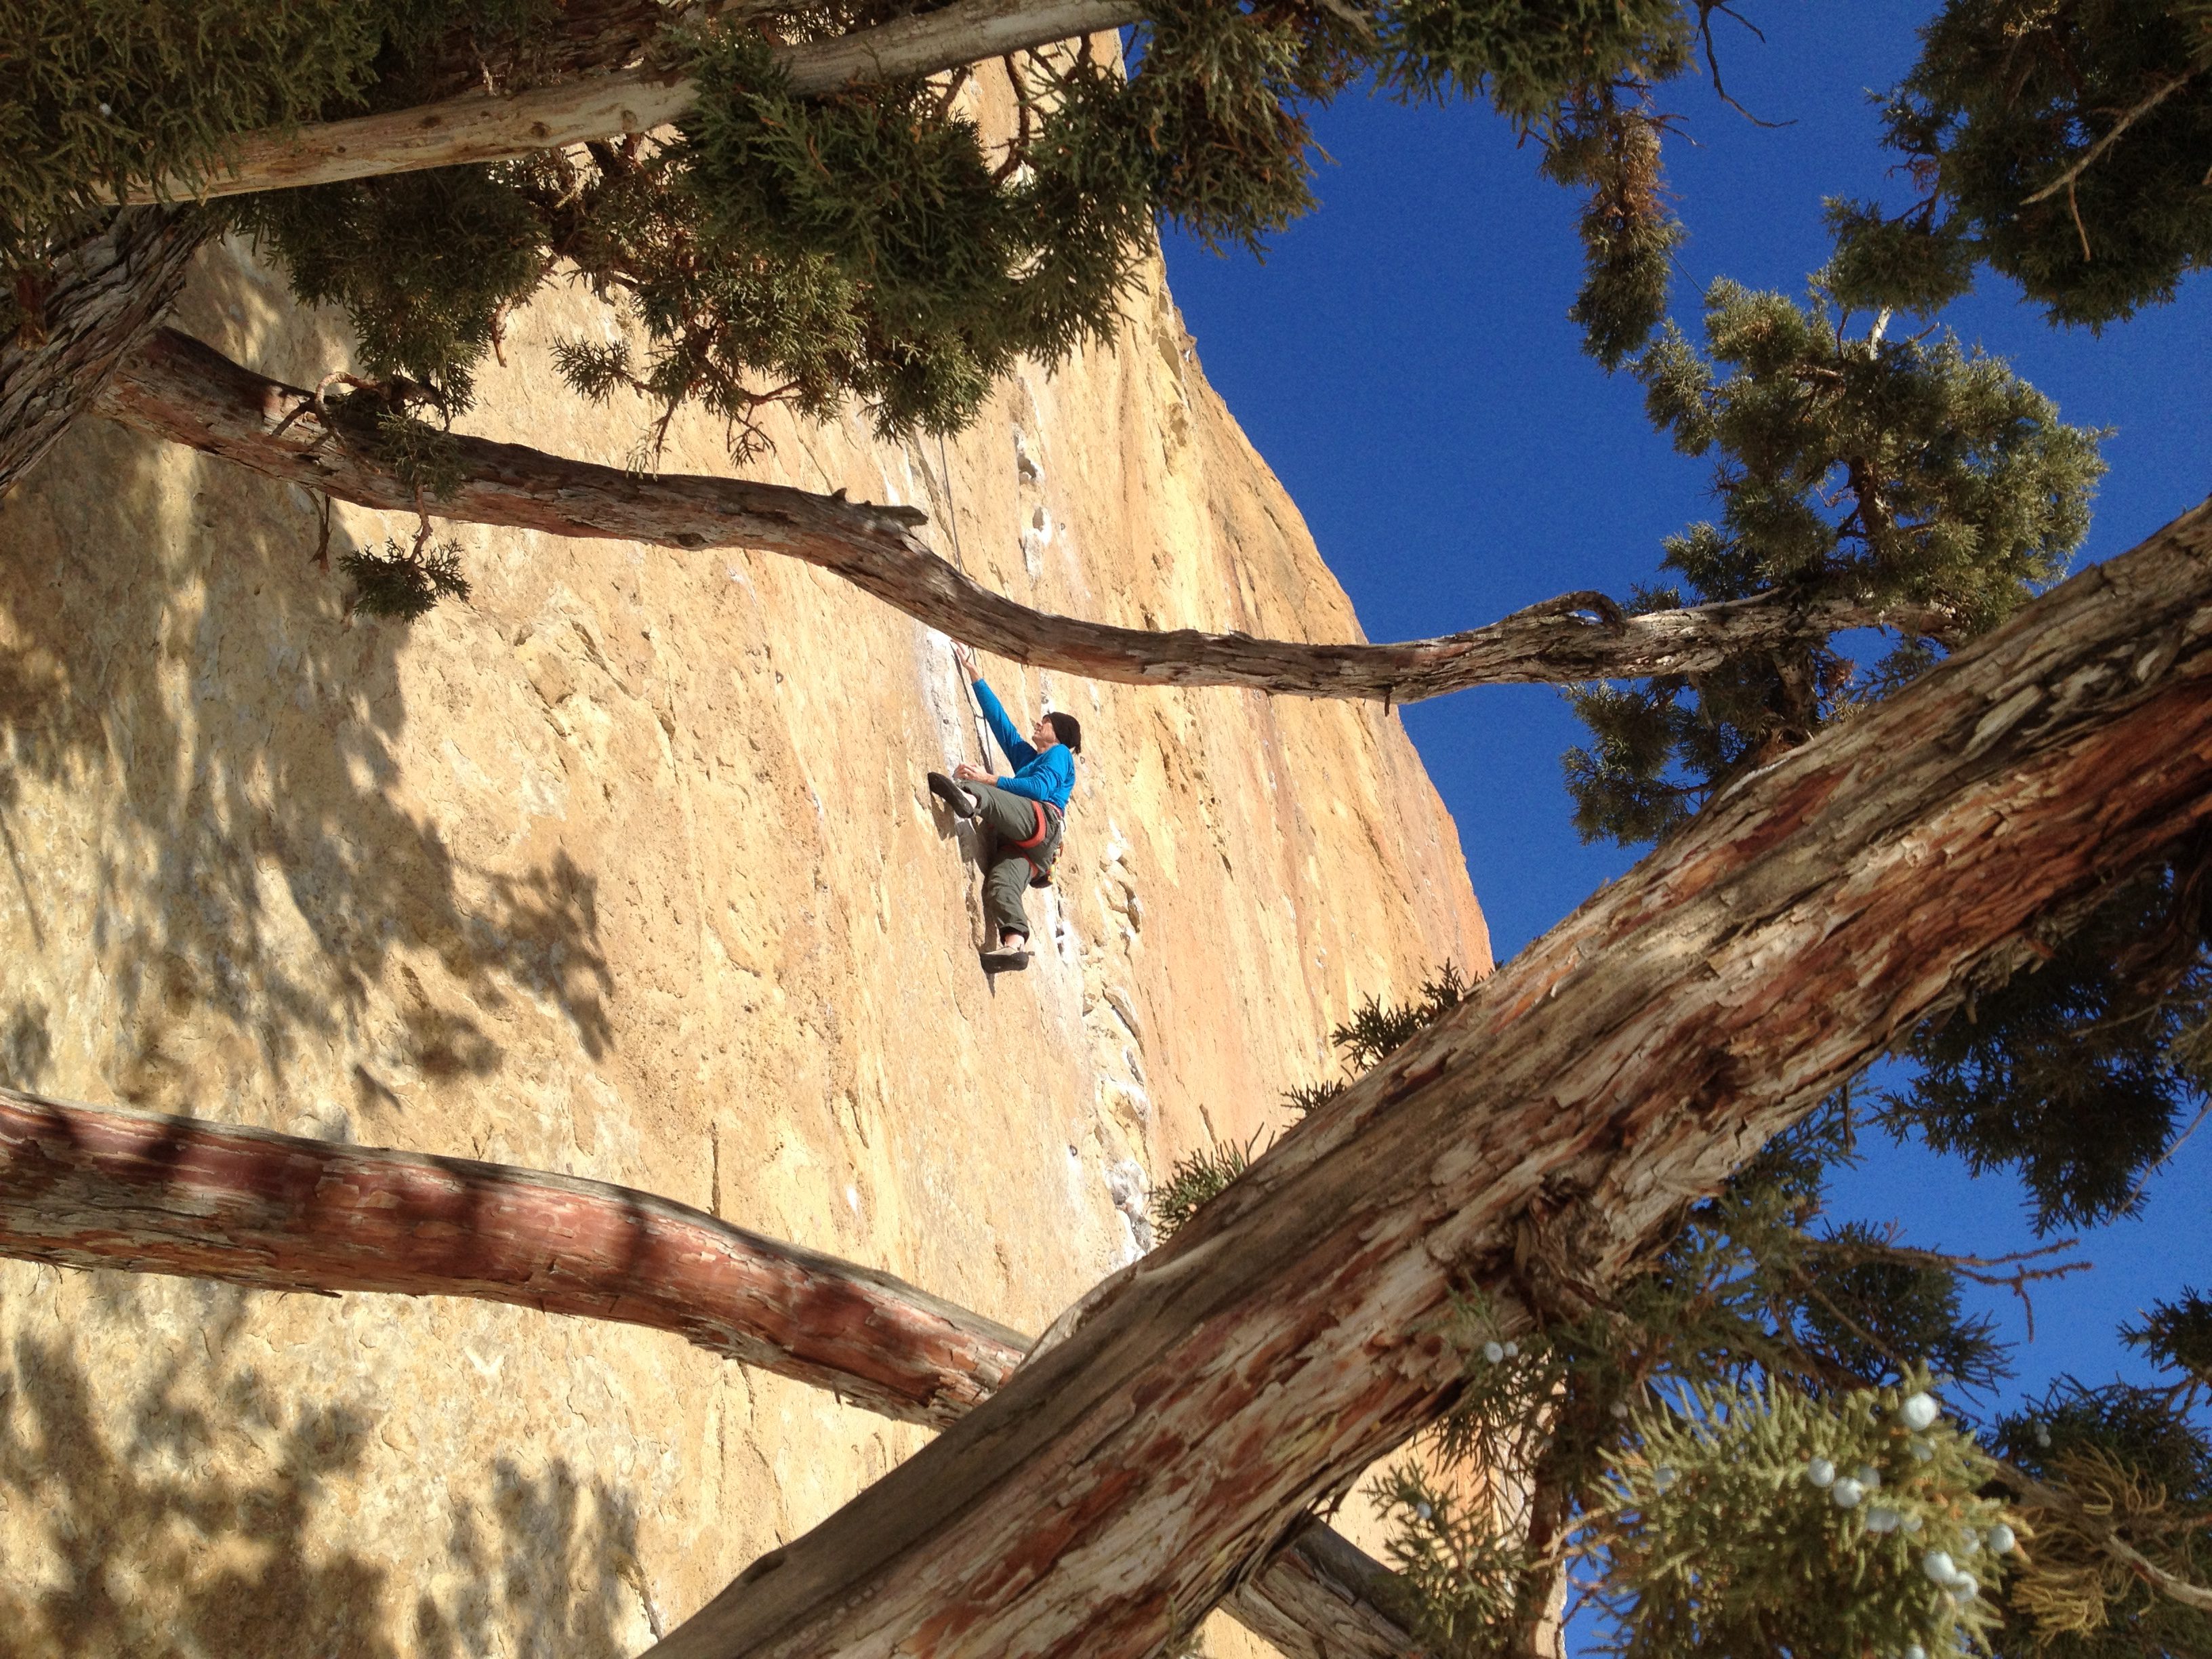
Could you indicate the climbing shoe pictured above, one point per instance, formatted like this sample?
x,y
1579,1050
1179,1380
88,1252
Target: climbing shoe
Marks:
x,y
957,801
1005,962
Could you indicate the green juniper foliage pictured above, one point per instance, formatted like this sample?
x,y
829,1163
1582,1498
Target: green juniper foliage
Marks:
x,y
1461,1568
423,264
1692,1532
1193,1180
1850,464
2077,1072
1721,1457
1728,1534
1373,1032
97,94
2011,97
1377,1030
405,583
1580,78
2177,1336
869,244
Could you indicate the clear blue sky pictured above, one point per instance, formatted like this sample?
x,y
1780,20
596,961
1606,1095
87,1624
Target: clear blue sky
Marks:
x,y
1403,360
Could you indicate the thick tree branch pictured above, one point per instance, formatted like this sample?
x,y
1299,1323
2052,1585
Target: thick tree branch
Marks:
x,y
479,127
97,300
180,389
88,1186
92,1187
1545,1133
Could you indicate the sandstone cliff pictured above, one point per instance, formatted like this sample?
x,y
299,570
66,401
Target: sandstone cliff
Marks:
x,y
624,868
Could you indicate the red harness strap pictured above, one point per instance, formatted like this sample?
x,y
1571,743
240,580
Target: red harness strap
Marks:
x,y
1042,826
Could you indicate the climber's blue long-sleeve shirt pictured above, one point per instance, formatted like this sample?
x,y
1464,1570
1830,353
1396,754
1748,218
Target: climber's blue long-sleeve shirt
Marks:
x,y
1048,777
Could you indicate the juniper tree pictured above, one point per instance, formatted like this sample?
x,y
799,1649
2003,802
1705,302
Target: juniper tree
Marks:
x,y
1851,462
1847,463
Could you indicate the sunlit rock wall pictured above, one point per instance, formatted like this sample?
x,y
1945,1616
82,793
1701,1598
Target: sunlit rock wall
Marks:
x,y
624,868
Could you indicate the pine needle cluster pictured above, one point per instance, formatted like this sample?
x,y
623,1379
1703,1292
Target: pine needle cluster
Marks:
x,y
405,583
2076,1072
2060,143
1375,1030
1850,464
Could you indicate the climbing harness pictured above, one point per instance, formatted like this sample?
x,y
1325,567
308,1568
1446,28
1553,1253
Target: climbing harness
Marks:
x,y
1040,874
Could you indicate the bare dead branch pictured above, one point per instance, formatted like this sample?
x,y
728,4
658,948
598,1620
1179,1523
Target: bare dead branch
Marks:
x,y
183,391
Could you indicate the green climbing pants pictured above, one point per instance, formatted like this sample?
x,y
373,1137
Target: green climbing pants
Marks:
x,y
1008,869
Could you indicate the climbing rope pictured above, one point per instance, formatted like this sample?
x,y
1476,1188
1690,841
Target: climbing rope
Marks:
x,y
952,525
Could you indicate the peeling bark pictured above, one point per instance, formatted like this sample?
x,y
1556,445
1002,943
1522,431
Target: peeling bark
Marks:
x,y
1537,1139
183,391
92,1187
98,300
480,127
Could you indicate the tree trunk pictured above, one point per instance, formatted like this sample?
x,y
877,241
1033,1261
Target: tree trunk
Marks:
x,y
96,302
1534,1145
88,1186
480,127
185,391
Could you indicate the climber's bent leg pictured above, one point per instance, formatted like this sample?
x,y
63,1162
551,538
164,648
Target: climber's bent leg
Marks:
x,y
1009,816
1004,883
1010,867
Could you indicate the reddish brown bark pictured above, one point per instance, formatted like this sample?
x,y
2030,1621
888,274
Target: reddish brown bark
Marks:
x,y
180,389
91,1187
84,1187
483,127
95,303
1536,1142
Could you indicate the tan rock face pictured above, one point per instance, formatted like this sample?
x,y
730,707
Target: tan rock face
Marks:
x,y
625,868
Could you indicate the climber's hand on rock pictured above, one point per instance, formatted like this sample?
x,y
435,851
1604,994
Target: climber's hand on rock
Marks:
x,y
965,658
967,773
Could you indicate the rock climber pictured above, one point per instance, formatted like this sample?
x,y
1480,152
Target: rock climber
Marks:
x,y
1023,813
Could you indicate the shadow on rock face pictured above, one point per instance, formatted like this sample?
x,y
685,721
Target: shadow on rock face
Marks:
x,y
171,656
210,1515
